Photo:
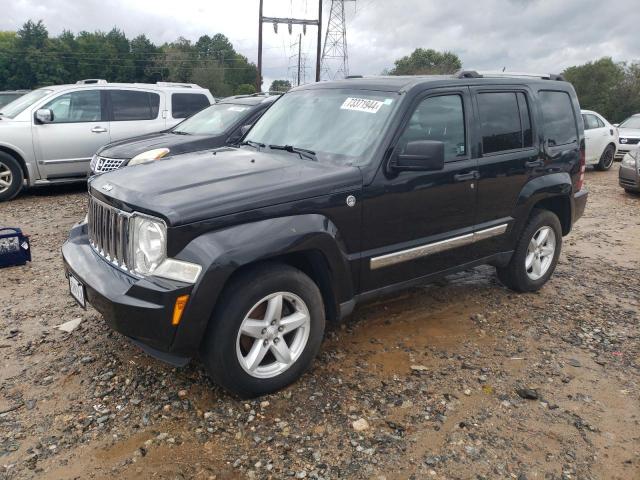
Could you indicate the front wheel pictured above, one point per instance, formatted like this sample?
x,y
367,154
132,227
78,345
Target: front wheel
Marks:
x,y
606,159
11,177
536,255
265,332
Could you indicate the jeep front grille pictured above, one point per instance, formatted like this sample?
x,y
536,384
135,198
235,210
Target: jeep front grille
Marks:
x,y
103,164
108,229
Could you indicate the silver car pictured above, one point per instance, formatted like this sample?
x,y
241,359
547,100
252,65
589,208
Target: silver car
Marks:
x,y
629,173
49,135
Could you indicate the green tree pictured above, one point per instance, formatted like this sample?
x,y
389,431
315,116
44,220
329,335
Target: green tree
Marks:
x,y
427,62
245,89
280,86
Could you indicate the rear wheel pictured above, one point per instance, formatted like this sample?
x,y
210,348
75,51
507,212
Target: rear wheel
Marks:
x,y
536,254
265,332
11,177
606,159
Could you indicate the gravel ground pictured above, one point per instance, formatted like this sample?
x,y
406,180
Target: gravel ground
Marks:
x,y
458,379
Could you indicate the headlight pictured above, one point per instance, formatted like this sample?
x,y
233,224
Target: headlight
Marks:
x,y
149,156
149,239
629,160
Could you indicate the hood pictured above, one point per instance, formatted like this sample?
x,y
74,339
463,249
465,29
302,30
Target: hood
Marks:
x,y
178,144
211,184
629,132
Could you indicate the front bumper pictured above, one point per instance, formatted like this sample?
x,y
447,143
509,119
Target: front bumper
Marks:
x,y
623,148
141,309
629,178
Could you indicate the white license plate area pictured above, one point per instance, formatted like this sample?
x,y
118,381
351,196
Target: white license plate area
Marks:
x,y
77,290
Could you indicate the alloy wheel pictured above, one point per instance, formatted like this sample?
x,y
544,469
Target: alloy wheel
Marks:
x,y
273,335
6,177
540,252
608,158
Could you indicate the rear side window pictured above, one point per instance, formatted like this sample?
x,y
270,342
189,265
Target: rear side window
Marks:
x,y
504,121
184,105
128,105
559,122
591,121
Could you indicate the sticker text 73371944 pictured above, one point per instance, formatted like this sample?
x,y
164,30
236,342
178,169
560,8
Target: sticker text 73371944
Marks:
x,y
362,105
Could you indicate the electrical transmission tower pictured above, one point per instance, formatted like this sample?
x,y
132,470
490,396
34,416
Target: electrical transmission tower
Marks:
x,y
298,63
335,57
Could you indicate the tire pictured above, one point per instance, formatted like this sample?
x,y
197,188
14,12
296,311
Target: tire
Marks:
x,y
516,275
11,177
606,159
227,353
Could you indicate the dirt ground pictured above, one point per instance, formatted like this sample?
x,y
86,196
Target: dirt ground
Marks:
x,y
434,372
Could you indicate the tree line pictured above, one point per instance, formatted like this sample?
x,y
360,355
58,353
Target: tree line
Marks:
x,y
30,58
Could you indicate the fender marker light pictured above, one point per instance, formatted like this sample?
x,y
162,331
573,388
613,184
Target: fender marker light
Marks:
x,y
178,309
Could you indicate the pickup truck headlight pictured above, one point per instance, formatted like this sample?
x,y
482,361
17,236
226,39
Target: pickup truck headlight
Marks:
x,y
149,156
149,239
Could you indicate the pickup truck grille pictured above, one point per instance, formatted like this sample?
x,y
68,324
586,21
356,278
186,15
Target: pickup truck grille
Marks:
x,y
104,164
108,230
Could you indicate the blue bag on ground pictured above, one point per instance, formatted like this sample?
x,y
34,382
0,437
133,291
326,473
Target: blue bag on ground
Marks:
x,y
14,247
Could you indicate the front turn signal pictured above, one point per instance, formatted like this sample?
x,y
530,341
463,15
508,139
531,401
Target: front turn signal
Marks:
x,y
178,309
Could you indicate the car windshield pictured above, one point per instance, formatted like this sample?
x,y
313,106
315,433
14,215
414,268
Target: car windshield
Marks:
x,y
339,125
213,120
631,122
21,104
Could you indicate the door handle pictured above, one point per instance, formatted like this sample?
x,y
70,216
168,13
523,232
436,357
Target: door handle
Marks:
x,y
534,164
463,177
98,130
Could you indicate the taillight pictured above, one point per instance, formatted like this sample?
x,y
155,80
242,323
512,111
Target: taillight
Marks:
x,y
583,167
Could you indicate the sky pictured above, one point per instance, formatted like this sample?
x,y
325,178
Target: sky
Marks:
x,y
517,35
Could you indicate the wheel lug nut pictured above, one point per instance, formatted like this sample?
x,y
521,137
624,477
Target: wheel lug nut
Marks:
x,y
280,329
265,343
273,322
276,340
264,331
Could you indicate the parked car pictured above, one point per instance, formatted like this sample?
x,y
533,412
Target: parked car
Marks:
x,y
600,139
9,96
220,124
343,191
629,135
49,135
629,173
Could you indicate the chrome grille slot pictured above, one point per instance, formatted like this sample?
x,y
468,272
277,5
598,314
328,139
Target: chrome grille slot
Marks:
x,y
108,229
104,164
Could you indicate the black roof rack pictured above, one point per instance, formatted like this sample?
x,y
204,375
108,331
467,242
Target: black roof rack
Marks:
x,y
468,74
352,76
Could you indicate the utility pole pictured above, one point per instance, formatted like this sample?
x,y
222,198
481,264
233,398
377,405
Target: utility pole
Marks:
x,y
299,55
290,22
335,57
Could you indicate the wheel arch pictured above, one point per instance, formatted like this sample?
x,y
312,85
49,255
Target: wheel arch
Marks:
x,y
550,192
18,157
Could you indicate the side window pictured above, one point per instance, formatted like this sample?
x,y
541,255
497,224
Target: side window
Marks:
x,y
441,119
76,107
600,122
501,123
130,105
525,120
591,121
184,105
559,121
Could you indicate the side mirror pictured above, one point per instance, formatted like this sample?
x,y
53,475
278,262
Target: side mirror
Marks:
x,y
244,129
44,115
423,155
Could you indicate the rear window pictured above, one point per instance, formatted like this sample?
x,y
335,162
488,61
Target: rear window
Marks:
x,y
128,105
559,121
505,121
184,105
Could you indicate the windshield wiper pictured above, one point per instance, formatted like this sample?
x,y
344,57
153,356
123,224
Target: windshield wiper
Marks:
x,y
251,143
303,152
179,132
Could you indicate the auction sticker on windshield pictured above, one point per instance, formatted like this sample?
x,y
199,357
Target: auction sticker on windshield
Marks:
x,y
362,105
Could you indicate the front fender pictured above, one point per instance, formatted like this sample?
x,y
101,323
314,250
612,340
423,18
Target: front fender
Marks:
x,y
222,252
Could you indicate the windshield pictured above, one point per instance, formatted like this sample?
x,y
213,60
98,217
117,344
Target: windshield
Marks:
x,y
339,125
631,122
213,120
21,104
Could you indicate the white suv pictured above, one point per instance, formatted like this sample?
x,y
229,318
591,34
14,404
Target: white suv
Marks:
x,y
49,135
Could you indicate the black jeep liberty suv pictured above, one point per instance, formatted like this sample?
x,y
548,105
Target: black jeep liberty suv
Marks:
x,y
342,191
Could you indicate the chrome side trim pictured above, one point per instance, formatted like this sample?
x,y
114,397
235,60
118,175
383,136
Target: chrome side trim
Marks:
x,y
436,247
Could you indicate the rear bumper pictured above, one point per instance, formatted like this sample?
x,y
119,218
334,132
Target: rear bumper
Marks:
x,y
579,204
141,309
629,178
